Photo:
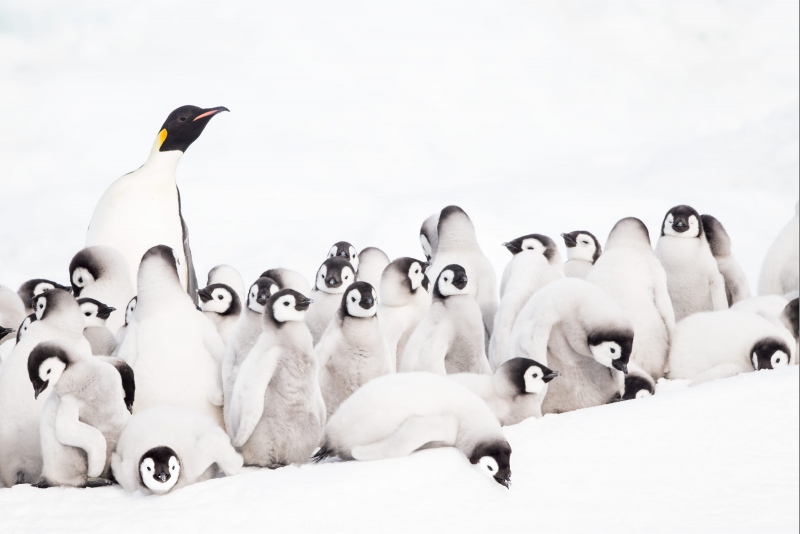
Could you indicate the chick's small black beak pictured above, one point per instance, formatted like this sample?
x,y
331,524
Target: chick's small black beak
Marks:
x,y
679,225
333,282
37,390
426,282
461,281
204,295
512,248
162,476
549,376
503,481
569,240
262,298
619,365
303,304
366,302
5,331
105,312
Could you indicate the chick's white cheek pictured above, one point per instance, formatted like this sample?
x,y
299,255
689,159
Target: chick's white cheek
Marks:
x,y
488,466
643,393
779,359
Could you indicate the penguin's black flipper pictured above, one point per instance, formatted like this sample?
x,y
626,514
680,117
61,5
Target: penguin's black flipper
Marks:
x,y
322,453
191,286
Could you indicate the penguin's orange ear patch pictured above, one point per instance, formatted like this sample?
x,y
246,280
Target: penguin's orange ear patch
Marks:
x,y
162,135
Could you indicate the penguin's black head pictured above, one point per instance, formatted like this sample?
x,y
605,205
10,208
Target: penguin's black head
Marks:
x,y
770,353
260,292
286,305
49,302
46,362
360,300
790,317
37,286
334,275
159,469
184,126
129,309
221,299
536,242
718,239
637,387
343,249
682,221
582,245
451,281
412,272
526,375
494,459
83,269
628,230
92,307
612,348
163,254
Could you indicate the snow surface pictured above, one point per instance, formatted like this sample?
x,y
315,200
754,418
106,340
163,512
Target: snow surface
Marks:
x,y
355,121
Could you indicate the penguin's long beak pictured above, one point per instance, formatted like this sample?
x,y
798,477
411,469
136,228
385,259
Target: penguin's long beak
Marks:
x,y
549,376
619,365
210,112
512,248
569,240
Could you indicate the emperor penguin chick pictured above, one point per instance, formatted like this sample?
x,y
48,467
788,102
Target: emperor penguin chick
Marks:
x,y
345,250
288,279
157,455
95,314
429,237
394,415
632,275
248,329
450,338
638,384
103,274
57,317
225,274
221,304
713,345
129,317
693,278
403,301
458,244
35,287
142,209
577,329
277,411
82,419
583,250
333,278
352,350
780,272
12,312
371,263
514,392
534,264
173,348
736,287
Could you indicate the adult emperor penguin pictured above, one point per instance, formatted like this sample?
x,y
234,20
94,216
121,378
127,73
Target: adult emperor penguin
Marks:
x,y
103,274
630,272
429,237
143,208
458,245
514,392
277,411
34,287
333,277
450,337
397,414
534,264
225,274
288,279
83,418
403,301
343,249
352,351
12,312
173,348
577,329
693,278
371,263
583,250
95,315
780,272
58,317
248,329
713,345
157,455
736,286
221,304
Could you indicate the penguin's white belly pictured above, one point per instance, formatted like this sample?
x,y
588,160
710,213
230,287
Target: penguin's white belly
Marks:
x,y
135,214
173,366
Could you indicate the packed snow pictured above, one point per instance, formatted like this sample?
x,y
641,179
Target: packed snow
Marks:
x,y
356,121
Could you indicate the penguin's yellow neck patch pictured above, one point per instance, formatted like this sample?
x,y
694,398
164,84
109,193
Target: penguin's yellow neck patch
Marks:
x,y
162,135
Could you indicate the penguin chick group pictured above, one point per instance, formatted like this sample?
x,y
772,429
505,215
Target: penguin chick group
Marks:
x,y
133,372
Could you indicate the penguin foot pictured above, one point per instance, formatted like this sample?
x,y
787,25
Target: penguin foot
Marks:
x,y
97,482
42,484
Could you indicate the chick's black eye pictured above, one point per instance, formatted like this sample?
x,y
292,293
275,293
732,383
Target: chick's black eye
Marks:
x,y
353,299
219,297
613,351
491,468
48,372
285,303
87,314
